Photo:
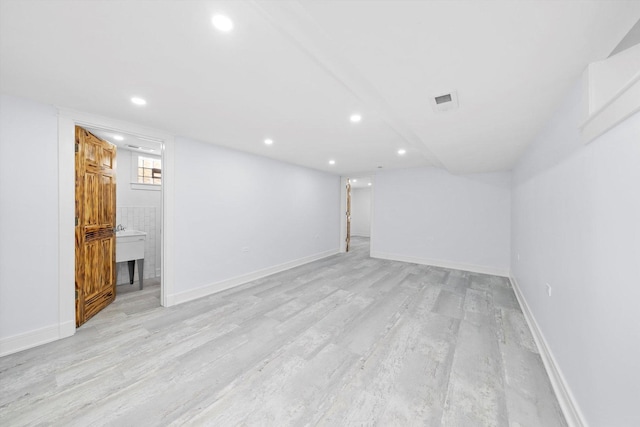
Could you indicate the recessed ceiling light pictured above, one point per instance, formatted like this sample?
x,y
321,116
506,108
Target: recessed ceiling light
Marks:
x,y
402,151
369,184
355,118
355,180
332,162
268,141
222,23
138,101
137,147
118,138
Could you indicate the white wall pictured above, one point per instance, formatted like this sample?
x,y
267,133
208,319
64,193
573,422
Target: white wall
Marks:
x,y
239,215
576,226
224,201
28,218
361,212
127,196
430,216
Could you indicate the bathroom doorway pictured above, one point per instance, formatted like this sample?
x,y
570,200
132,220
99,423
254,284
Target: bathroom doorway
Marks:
x,y
138,218
67,121
360,206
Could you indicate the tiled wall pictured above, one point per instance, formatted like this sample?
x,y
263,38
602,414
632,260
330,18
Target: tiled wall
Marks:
x,y
145,219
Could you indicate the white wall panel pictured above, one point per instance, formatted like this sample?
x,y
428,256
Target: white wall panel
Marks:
x,y
430,216
576,227
28,217
237,214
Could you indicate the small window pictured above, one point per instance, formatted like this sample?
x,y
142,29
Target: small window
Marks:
x,y
149,170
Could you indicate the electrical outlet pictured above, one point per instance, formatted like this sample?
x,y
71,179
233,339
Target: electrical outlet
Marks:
x,y
245,249
548,289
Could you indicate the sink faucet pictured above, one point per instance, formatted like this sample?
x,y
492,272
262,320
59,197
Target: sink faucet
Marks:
x,y
120,227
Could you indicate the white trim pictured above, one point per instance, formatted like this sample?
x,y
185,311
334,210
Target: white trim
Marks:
x,y
343,215
106,123
67,328
146,187
567,401
24,341
624,104
245,278
67,120
442,263
66,228
372,215
167,278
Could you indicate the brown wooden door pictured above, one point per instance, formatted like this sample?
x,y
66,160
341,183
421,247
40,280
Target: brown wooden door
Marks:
x,y
348,215
95,223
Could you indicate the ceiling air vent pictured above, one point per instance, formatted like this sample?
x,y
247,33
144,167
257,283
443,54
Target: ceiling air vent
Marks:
x,y
445,101
442,99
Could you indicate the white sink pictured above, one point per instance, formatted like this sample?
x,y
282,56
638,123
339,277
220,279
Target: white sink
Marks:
x,y
125,233
130,245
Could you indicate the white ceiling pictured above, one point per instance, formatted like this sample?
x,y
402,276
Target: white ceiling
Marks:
x,y
128,142
294,71
361,181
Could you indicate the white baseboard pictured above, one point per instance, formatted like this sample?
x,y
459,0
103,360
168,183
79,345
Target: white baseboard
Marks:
x,y
567,402
34,338
212,288
444,264
66,329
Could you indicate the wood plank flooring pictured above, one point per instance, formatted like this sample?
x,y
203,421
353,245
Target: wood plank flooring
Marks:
x,y
344,341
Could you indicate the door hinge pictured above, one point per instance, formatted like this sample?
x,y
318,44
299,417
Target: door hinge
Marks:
x,y
76,221
76,294
77,147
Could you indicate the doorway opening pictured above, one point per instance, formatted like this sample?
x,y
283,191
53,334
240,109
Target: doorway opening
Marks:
x,y
129,208
138,218
358,196
67,122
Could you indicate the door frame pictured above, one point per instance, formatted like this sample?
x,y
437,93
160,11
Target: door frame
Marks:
x,y
67,121
343,213
343,210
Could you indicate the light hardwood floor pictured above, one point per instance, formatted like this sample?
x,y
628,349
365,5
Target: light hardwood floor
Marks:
x,y
344,341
